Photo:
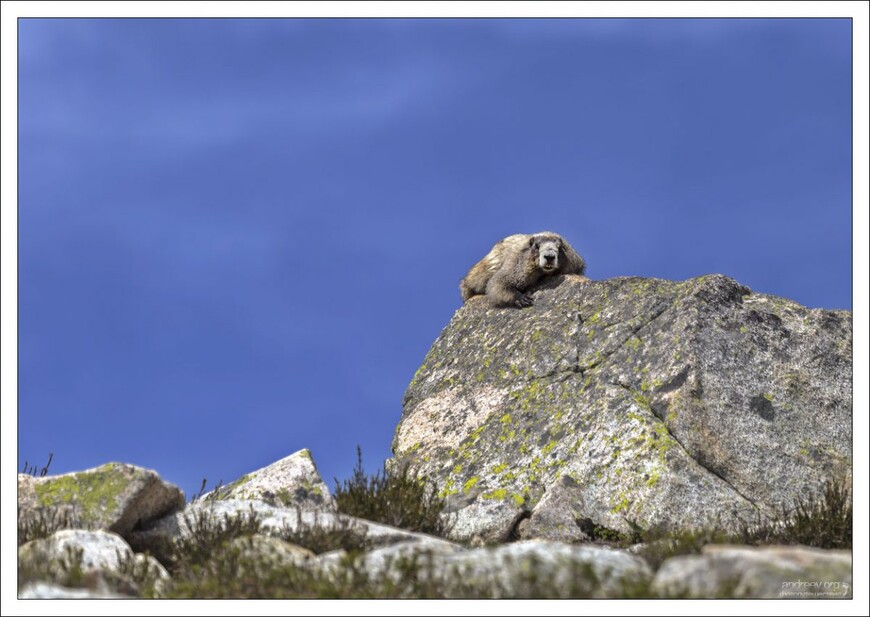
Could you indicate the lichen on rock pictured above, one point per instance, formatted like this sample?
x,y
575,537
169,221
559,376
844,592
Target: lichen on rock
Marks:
x,y
292,481
115,497
630,402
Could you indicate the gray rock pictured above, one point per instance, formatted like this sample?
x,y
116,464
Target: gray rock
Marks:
x,y
157,537
272,551
521,569
386,561
630,401
115,497
93,557
567,570
50,591
757,572
99,549
293,481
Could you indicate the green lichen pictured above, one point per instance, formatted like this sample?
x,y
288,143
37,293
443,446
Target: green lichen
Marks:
x,y
284,497
224,492
549,447
577,443
654,478
499,493
642,401
469,484
650,385
499,468
518,499
448,490
457,469
621,505
505,419
94,493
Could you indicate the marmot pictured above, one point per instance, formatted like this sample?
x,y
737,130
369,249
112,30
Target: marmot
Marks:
x,y
518,262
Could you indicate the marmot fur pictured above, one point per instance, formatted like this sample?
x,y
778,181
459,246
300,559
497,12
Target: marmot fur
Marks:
x,y
518,262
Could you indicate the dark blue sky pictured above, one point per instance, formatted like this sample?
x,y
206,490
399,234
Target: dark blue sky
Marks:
x,y
239,238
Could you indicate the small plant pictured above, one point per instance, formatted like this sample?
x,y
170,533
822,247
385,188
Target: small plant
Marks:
x,y
65,570
822,520
342,533
205,536
43,522
38,472
399,497
658,546
203,495
142,577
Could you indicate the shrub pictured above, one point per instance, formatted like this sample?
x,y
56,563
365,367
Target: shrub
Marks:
x,y
822,520
317,537
205,536
42,522
399,497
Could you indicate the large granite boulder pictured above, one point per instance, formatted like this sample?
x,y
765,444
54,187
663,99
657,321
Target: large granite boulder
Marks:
x,y
114,497
630,402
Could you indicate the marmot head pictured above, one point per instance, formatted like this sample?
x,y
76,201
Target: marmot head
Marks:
x,y
545,249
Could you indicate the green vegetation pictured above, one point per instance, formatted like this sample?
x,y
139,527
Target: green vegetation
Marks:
x,y
65,570
342,533
394,496
93,492
43,522
222,558
822,521
206,536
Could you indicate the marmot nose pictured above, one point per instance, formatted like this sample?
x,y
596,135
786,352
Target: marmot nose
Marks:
x,y
549,258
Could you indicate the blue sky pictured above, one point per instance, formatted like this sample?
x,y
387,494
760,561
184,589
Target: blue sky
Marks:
x,y
239,238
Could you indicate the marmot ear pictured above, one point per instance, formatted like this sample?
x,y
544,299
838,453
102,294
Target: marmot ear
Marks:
x,y
532,241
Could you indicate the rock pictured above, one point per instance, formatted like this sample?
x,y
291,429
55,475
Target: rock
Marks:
x,y
521,569
293,481
50,591
386,561
629,402
273,551
94,559
114,497
525,569
99,549
157,537
757,572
